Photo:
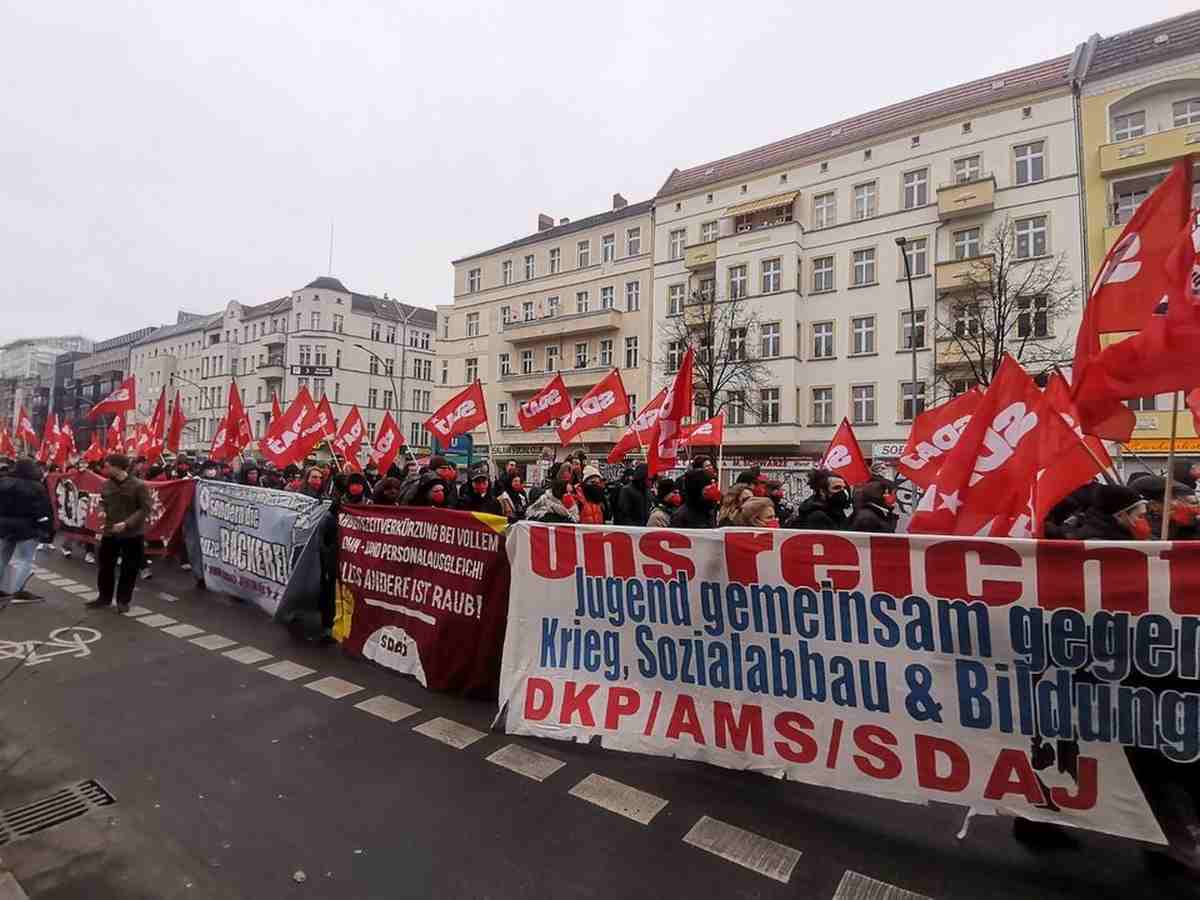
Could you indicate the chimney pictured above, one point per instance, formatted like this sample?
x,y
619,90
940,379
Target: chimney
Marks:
x,y
545,221
619,202
563,221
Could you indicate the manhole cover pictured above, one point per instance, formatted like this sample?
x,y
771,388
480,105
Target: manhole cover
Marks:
x,y
66,803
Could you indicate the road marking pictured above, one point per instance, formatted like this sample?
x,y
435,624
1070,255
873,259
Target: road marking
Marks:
x,y
449,732
619,798
523,761
247,655
854,886
753,851
135,611
78,588
213,642
56,580
337,688
10,889
183,630
93,595
387,708
157,621
71,640
288,670
170,598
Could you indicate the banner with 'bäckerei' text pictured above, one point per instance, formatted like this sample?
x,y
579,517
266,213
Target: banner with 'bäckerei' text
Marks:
x,y
1033,678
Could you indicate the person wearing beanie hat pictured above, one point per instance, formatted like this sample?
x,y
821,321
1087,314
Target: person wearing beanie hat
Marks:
x,y
1117,513
477,496
592,500
668,500
632,506
701,496
1153,489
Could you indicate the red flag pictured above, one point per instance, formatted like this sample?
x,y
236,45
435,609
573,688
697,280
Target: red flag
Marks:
x,y
281,443
710,433
844,458
935,433
1058,393
7,447
50,435
551,402
276,412
24,430
662,444
66,444
459,414
115,436
350,435
601,404
120,401
1193,403
94,453
638,433
157,429
233,435
387,444
175,432
320,425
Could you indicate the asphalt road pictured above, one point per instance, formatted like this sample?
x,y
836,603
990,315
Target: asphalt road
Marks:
x,y
231,778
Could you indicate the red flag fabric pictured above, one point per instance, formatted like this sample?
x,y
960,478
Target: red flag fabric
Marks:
x,y
1193,403
601,404
276,412
281,443
157,429
120,401
24,429
66,444
7,447
387,445
992,483
178,420
638,433
551,402
709,433
935,433
115,436
459,414
662,444
1058,393
94,452
350,435
320,425
233,435
844,457
49,449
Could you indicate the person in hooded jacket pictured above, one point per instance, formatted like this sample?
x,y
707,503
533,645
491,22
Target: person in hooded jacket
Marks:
x,y
701,496
514,499
1186,471
478,495
633,500
668,500
388,492
428,489
783,512
826,509
25,518
875,508
1117,513
593,501
557,504
371,473
314,482
1153,490
448,472
358,490
249,474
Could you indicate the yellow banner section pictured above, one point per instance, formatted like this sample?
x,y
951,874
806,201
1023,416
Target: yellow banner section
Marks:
x,y
1162,445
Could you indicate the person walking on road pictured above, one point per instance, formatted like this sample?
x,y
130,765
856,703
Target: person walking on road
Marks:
x,y
25,518
125,501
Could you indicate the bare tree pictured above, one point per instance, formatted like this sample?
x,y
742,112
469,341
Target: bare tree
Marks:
x,y
727,340
1011,299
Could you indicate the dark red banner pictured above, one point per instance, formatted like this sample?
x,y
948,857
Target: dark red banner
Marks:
x,y
424,592
75,497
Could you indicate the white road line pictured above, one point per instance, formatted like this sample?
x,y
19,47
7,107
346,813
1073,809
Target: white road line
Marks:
x,y
78,588
287,670
93,595
10,889
247,655
387,708
619,798
450,732
56,580
753,851
135,611
213,642
854,886
337,688
523,761
183,630
170,598
157,621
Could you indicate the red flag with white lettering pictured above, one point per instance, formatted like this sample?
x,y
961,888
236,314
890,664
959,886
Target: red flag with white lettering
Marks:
x,y
458,415
233,434
178,420
346,442
66,444
276,412
934,434
709,433
638,433
1058,393
157,429
281,443
601,404
115,436
94,452
50,434
120,401
387,445
551,402
24,429
320,425
7,447
844,458
662,445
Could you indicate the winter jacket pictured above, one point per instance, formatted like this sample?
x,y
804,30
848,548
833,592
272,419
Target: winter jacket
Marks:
x,y
548,508
24,504
125,501
660,516
1098,526
873,519
696,512
633,502
815,514
519,502
469,501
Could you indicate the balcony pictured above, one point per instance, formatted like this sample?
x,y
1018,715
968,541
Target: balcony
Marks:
x,y
950,354
517,383
273,369
957,274
967,198
549,327
1149,150
700,256
275,339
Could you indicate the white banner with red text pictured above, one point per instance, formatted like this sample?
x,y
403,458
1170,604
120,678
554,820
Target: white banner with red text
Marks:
x,y
1008,676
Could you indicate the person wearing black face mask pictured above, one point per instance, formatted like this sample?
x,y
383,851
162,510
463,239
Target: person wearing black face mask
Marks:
x,y
875,508
828,507
593,506
478,496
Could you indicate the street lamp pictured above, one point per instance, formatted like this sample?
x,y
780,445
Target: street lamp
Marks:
x,y
902,243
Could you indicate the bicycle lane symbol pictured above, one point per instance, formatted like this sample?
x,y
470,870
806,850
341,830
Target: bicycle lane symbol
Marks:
x,y
70,641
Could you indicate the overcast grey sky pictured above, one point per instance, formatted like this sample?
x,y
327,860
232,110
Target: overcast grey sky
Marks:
x,y
165,155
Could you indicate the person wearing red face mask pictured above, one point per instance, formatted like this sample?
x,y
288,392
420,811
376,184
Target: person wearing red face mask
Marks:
x,y
874,508
668,500
701,497
757,512
1117,513
357,489
314,482
478,495
445,470
514,500
556,504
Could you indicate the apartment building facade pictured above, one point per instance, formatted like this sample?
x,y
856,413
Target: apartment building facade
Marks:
x,y
27,373
571,298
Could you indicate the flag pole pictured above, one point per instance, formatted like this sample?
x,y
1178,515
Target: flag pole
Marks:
x,y
721,448
1168,495
491,440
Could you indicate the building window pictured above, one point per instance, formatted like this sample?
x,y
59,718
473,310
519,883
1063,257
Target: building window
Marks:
x,y
505,364
709,231
582,303
633,241
631,352
506,272
916,188
372,365
772,271
1031,162
966,243
862,334
608,248
862,404
735,408
606,297
822,406
1032,320
606,352
675,351
391,334
737,343
581,355
1187,112
417,435
822,274
822,333
305,352
908,333
318,384
552,306
1129,125
473,324
1128,200
424,369
555,261
299,325
320,357
1143,404
552,358
584,254
529,267
472,369
912,403
675,300
865,205
824,210
502,414
371,432
445,328
769,332
967,169
677,243
526,362
966,320
918,256
737,282
633,296
372,397
769,405
339,323
864,267
375,331
527,311
445,371
473,278
1031,237
315,321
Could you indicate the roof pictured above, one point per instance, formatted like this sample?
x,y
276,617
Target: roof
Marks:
x,y
199,323
327,283
560,231
906,114
1144,46
270,308
393,310
123,340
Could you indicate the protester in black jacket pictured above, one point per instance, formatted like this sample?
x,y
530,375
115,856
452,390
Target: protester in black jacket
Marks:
x,y
669,499
25,518
514,500
478,496
783,512
875,508
1153,490
701,497
387,492
1118,513
633,502
827,509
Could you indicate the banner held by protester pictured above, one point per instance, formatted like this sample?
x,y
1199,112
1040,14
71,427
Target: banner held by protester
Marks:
x,y
75,497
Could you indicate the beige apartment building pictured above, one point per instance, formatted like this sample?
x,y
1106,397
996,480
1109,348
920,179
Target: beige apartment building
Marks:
x,y
574,298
